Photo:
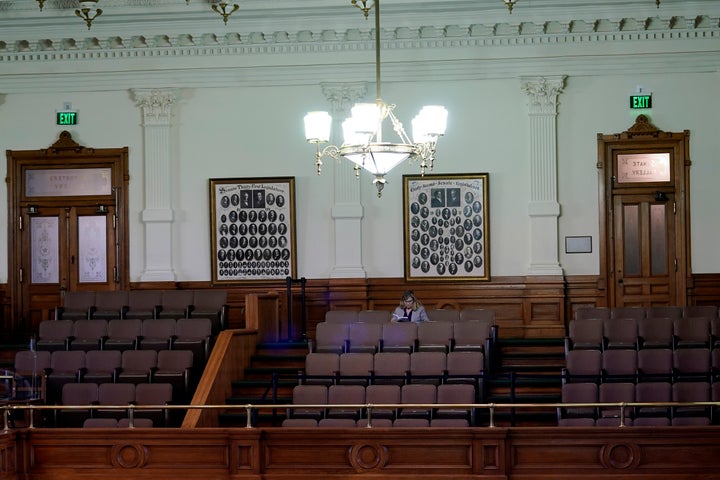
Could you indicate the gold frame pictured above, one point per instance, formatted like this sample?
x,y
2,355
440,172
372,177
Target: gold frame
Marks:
x,y
252,229
434,207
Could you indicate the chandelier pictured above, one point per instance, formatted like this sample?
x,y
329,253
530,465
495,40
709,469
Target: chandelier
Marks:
x,y
363,141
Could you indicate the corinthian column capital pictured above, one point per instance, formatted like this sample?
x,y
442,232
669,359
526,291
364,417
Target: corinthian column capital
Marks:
x,y
543,93
342,96
156,104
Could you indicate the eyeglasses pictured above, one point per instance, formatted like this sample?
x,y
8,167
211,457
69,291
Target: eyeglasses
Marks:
x,y
409,300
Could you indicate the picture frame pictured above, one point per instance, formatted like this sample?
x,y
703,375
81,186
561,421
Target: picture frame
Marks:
x,y
445,219
252,226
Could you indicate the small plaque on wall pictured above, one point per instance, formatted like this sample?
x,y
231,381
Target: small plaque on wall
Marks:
x,y
578,244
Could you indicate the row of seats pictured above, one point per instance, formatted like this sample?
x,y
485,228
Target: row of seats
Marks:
x,y
376,423
644,332
349,401
394,368
114,394
646,392
636,366
689,311
51,372
404,337
434,314
127,334
107,305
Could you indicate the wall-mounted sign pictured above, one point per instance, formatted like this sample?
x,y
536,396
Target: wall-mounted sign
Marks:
x,y
67,118
640,101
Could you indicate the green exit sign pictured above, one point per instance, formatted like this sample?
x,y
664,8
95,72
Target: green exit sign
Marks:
x,y
67,118
640,101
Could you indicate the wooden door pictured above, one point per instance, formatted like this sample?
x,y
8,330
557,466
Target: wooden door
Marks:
x,y
67,228
645,258
644,207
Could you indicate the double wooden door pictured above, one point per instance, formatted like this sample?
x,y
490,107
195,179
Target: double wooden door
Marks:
x,y
67,228
644,216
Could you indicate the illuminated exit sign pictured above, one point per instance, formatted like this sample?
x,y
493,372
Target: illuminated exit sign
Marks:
x,y
67,118
640,101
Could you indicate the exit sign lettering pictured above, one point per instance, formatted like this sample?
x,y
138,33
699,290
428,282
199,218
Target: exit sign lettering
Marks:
x,y
640,101
67,118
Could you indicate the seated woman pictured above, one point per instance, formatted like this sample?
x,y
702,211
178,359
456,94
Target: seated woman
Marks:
x,y
409,310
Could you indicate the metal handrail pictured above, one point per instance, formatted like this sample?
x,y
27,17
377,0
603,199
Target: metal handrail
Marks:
x,y
250,408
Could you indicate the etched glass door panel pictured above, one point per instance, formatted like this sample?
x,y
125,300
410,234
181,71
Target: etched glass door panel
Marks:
x,y
92,249
44,250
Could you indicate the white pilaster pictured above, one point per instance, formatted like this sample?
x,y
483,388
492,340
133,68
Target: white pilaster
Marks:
x,y
347,211
157,216
544,208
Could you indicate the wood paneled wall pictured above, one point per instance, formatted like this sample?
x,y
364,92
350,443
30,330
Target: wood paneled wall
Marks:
x,y
599,453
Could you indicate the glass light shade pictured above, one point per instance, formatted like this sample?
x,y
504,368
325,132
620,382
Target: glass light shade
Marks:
x,y
367,117
351,136
317,127
430,123
378,158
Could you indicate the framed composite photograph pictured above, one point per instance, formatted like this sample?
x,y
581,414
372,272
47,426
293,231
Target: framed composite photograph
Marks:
x,y
252,229
445,221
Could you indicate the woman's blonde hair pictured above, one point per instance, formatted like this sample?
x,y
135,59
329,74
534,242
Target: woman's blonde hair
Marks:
x,y
409,294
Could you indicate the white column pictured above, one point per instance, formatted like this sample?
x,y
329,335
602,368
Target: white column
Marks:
x,y
544,208
347,211
157,216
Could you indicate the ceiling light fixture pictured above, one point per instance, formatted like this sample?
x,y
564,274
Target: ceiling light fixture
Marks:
x,y
88,11
363,144
221,7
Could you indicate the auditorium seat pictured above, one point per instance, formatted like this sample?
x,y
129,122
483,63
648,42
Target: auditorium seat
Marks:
x,y
345,395
114,395
692,364
619,365
615,393
110,304
581,392
480,314
211,303
308,395
101,366
435,336
299,422
467,367
143,304
137,366
399,337
443,315
628,312
123,334
620,333
655,365
414,394
157,333
364,337
194,334
686,392
449,423
652,392
582,366
65,367
374,316
174,367
691,332
175,304
136,423
75,394
655,332
391,368
455,394
100,423
355,368
383,395
54,335
411,422
76,305
472,335
320,368
336,423
341,316
667,311
330,338
374,423
88,335
428,367
585,335
156,395
691,311
598,313
30,374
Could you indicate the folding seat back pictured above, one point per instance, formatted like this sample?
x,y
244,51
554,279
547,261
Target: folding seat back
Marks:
x,y
100,423
115,394
616,393
688,392
137,366
586,334
583,392
143,303
435,336
308,395
102,366
355,368
54,335
417,393
176,303
211,303
153,395
628,312
459,394
157,334
65,367
341,316
174,367
411,422
692,364
28,362
345,395
692,332
382,395
399,337
655,332
136,423
481,314
472,335
620,333
193,334
321,368
653,392
598,313
655,364
374,316
449,423
708,311
443,315
391,367
123,334
330,338
337,423
583,366
467,367
364,337
88,334
299,422
110,304
76,305
428,367
619,365
30,374
76,394
666,311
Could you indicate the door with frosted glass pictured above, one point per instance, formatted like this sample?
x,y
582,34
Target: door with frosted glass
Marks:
x,y
644,250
